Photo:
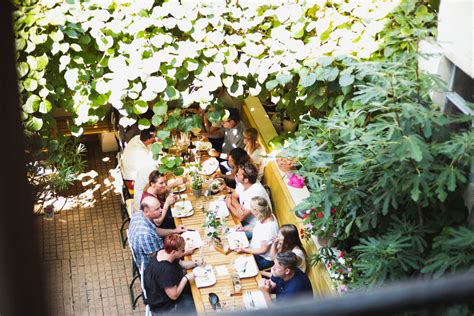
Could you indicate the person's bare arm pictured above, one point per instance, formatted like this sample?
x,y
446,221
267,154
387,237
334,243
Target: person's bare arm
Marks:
x,y
175,291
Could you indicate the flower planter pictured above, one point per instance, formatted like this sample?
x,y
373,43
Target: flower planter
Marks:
x,y
197,192
289,125
48,211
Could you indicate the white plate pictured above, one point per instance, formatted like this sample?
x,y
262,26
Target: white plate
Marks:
x,y
179,188
209,166
203,145
246,266
204,276
182,209
219,207
192,239
257,298
237,240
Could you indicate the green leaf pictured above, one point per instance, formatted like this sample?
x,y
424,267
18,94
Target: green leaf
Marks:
x,y
171,94
72,33
283,79
84,39
156,120
160,108
156,148
162,134
22,69
330,74
413,147
270,85
451,179
308,80
35,123
143,123
346,80
30,84
325,61
415,191
140,107
172,122
45,106
32,103
168,143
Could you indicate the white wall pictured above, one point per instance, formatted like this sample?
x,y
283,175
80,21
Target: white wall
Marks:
x,y
456,32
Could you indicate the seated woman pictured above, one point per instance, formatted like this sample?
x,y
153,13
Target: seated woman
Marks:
x,y
288,239
237,156
264,232
158,188
254,149
167,287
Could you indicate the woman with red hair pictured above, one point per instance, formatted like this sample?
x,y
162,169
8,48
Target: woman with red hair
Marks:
x,y
166,285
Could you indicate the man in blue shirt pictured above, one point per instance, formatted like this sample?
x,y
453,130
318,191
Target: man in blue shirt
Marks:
x,y
287,280
144,237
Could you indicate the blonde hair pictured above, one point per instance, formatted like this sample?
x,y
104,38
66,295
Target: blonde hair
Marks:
x,y
253,144
261,205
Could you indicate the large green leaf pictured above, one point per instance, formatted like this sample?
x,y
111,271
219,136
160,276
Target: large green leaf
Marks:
x,y
140,107
160,108
30,84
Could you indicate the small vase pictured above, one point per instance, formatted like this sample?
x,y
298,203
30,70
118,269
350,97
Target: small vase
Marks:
x,y
49,211
197,192
323,241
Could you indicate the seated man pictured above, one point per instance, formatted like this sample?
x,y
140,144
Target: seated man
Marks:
x,y
232,131
248,187
136,153
287,280
144,237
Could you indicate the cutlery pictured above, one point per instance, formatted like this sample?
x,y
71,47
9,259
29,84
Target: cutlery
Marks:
x,y
245,266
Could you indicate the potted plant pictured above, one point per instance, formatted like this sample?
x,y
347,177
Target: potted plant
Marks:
x,y
196,183
171,165
211,227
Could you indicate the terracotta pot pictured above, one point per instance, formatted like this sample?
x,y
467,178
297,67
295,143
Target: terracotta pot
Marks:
x,y
289,126
285,164
323,241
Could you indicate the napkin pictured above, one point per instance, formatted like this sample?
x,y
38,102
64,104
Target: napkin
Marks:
x,y
221,270
257,298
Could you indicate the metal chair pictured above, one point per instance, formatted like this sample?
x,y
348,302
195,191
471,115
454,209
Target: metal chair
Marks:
x,y
128,208
136,274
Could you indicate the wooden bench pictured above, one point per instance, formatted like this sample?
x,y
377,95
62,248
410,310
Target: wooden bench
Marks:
x,y
283,200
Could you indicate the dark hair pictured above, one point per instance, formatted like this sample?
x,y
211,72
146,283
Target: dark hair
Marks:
x,y
234,115
173,242
250,171
154,176
239,156
287,259
148,133
291,238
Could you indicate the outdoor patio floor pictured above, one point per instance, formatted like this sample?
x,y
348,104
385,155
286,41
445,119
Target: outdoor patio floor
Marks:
x,y
87,271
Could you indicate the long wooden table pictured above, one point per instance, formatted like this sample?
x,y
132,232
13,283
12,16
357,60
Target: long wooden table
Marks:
x,y
215,258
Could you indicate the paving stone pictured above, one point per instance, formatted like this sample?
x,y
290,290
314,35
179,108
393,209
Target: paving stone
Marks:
x,y
87,270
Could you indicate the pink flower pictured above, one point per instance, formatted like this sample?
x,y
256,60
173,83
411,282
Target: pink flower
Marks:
x,y
309,226
334,235
341,254
333,210
320,214
342,288
305,216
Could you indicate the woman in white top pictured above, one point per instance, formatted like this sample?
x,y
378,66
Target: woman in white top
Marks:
x,y
264,232
254,149
289,239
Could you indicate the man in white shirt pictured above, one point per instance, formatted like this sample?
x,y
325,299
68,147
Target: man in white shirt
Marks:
x,y
239,201
137,152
